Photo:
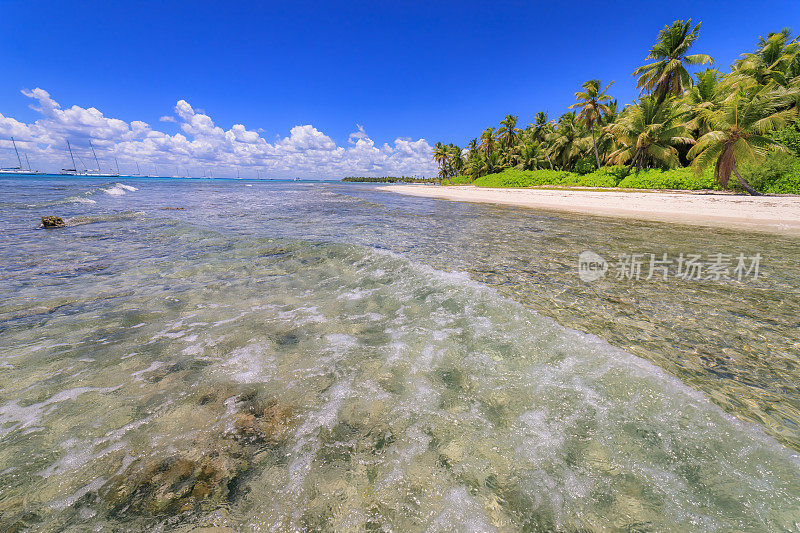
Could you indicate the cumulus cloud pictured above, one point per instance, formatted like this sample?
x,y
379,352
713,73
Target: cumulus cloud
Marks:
x,y
202,145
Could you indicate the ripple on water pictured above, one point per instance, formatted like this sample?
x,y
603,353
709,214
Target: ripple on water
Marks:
x,y
334,387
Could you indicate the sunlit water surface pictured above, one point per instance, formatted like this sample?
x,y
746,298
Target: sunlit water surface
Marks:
x,y
304,357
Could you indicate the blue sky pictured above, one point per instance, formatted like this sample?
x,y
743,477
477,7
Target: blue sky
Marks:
x,y
402,70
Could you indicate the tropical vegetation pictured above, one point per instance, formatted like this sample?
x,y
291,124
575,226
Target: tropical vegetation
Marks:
x,y
688,129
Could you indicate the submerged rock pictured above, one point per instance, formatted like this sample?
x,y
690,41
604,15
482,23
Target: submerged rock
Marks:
x,y
53,222
208,471
174,484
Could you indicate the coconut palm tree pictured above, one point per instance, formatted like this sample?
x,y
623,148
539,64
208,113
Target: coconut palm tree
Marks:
x,y
508,132
472,148
667,74
488,143
592,103
531,156
568,141
647,134
442,154
541,128
456,161
475,166
707,93
739,128
777,59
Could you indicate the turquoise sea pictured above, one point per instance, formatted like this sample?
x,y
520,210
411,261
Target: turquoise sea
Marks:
x,y
298,356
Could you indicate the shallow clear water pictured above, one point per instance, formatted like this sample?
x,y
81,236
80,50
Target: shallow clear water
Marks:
x,y
289,356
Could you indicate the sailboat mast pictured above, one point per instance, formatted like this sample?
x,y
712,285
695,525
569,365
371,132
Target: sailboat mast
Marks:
x,y
116,163
29,162
95,156
138,170
74,166
17,151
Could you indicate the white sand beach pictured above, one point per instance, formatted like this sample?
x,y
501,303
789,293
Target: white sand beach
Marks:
x,y
772,214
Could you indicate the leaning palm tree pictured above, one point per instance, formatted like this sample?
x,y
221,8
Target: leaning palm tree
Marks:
x,y
647,135
739,130
593,105
667,74
488,141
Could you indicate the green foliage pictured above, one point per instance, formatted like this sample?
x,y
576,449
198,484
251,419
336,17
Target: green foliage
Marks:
x,y
514,178
585,165
387,179
726,121
789,136
459,180
778,174
619,172
679,178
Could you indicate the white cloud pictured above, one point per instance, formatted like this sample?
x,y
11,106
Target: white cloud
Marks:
x,y
201,144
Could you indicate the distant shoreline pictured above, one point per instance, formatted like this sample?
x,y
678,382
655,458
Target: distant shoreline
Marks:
x,y
770,214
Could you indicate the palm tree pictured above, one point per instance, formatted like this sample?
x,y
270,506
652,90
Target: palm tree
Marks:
x,y
707,93
488,141
531,156
648,133
508,132
592,103
776,59
667,74
739,128
475,166
541,128
441,154
472,147
455,162
566,141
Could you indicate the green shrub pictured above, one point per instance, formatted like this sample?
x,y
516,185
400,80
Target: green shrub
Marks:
x,y
585,165
513,177
789,136
595,179
619,172
458,180
678,178
778,174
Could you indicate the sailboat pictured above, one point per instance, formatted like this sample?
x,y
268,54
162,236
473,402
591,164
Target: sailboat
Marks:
x,y
96,172
74,169
18,169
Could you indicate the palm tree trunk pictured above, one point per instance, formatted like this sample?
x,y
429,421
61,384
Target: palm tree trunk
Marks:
x,y
746,186
596,156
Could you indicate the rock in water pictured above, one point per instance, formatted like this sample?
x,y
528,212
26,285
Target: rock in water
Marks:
x,y
53,222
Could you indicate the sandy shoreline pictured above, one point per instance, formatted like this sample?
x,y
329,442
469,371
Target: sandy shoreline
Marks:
x,y
772,214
